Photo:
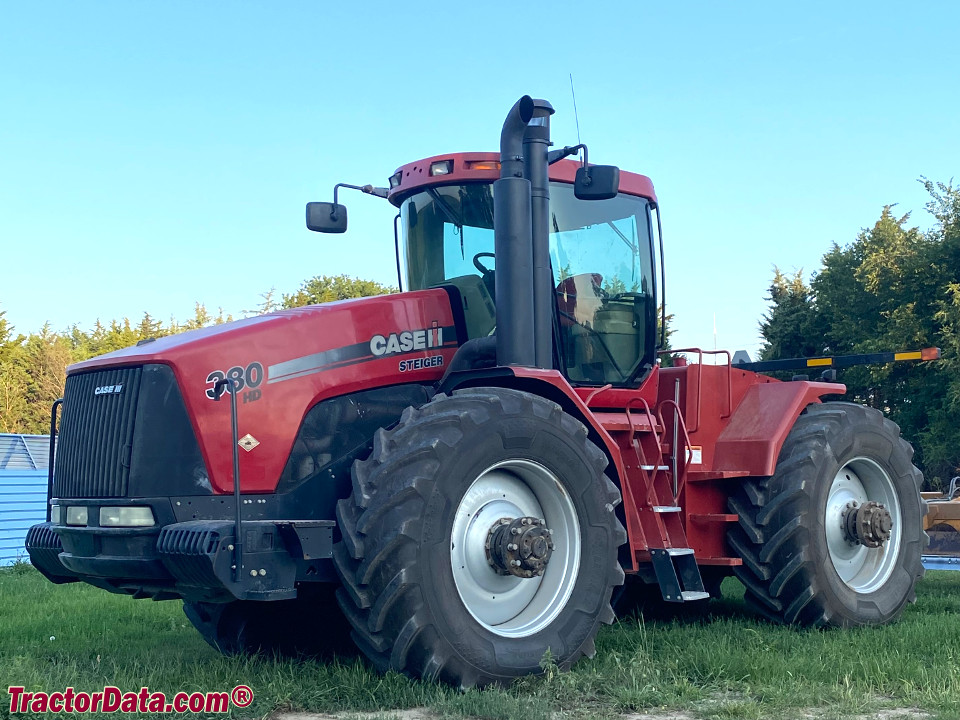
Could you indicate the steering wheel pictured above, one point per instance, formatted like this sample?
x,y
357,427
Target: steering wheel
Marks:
x,y
479,265
628,296
486,274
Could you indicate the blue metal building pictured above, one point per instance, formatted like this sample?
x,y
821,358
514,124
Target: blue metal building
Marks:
x,y
23,491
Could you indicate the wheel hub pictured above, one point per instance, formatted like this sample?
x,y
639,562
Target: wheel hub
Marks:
x,y
869,524
520,547
514,604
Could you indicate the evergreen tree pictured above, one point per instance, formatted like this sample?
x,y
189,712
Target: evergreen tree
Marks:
x,y
789,327
893,288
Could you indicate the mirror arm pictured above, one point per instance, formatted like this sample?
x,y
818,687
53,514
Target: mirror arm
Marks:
x,y
567,151
375,191
333,213
564,152
368,189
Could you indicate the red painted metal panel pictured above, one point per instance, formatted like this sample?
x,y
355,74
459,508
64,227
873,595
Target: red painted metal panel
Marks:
x,y
416,175
307,354
635,536
761,422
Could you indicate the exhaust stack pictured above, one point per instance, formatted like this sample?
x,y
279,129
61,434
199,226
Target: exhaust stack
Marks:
x,y
520,223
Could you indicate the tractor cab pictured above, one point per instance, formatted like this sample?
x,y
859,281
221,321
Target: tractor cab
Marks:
x,y
601,260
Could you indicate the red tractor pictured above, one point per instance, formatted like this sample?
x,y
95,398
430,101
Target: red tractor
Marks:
x,y
475,466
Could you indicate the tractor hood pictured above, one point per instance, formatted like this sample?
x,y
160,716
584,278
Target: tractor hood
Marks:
x,y
286,362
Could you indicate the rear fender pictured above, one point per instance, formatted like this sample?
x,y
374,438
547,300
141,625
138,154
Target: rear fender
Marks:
x,y
752,439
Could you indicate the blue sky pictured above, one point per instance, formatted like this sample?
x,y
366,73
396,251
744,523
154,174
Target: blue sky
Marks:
x,y
153,155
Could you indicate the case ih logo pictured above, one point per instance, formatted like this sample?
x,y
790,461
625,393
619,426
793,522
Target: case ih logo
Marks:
x,y
108,390
407,341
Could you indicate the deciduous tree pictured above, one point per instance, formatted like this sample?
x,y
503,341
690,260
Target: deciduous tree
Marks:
x,y
326,288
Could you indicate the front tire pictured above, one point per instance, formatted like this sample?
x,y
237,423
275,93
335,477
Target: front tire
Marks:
x,y
311,624
806,560
425,593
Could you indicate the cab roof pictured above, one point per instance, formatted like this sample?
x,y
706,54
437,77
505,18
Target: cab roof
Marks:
x,y
459,168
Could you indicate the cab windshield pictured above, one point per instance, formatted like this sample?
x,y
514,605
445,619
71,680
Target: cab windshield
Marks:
x,y
602,263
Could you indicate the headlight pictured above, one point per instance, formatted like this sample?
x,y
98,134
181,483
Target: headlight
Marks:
x,y
77,515
136,516
441,167
55,514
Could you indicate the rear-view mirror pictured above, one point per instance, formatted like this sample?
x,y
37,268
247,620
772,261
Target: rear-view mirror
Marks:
x,y
597,182
326,217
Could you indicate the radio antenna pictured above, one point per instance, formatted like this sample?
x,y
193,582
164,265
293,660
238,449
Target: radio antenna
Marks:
x,y
576,117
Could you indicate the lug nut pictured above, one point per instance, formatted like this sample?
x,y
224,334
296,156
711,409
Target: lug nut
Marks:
x,y
512,546
516,563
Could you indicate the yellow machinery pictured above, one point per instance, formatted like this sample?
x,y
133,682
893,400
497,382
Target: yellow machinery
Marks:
x,y
942,524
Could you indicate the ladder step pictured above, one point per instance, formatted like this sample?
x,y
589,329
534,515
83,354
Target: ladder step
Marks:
x,y
677,574
670,552
666,508
654,467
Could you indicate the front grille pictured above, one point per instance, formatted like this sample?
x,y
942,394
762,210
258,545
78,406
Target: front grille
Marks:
x,y
96,434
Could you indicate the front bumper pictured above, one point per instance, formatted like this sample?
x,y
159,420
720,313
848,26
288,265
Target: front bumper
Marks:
x,y
195,560
44,546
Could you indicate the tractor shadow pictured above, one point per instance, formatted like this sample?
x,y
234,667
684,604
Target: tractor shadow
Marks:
x,y
646,604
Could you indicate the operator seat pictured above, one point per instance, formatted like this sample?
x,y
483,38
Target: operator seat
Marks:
x,y
579,297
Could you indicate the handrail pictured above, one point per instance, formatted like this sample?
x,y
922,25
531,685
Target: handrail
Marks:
x,y
651,493
682,479
53,442
700,354
596,392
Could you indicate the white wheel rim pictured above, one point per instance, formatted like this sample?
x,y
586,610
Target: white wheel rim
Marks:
x,y
508,605
862,569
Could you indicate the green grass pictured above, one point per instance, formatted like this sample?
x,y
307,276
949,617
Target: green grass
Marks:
x,y
722,663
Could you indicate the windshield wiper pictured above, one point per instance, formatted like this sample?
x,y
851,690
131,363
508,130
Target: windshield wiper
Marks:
x,y
633,248
446,209
448,212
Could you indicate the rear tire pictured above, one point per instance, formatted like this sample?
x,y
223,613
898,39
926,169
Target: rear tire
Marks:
x,y
800,565
419,589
